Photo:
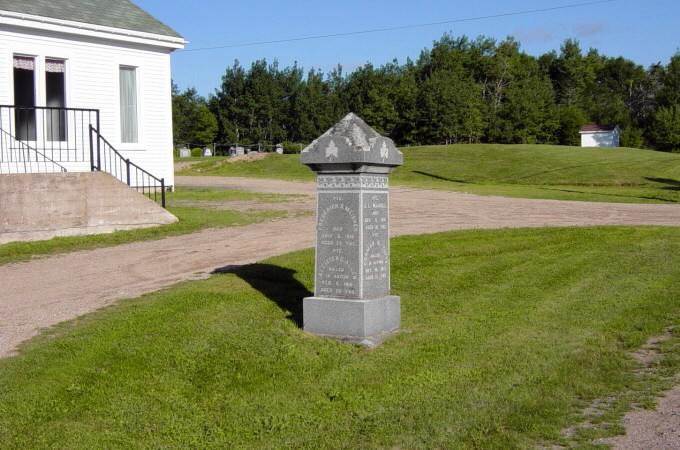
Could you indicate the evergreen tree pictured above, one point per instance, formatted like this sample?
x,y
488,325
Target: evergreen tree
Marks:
x,y
667,128
460,90
368,92
450,107
569,119
670,92
193,122
528,112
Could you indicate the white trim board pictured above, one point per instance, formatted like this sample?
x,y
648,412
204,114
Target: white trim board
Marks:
x,y
91,30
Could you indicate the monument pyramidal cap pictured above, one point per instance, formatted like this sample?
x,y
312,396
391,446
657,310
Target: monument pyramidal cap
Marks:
x,y
352,300
352,141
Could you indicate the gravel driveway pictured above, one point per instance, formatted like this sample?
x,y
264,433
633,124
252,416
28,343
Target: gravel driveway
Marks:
x,y
44,292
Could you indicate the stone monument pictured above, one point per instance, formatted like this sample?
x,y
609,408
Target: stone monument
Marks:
x,y
236,151
352,300
184,152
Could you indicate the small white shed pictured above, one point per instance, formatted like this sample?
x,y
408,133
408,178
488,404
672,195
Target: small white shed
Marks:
x,y
593,135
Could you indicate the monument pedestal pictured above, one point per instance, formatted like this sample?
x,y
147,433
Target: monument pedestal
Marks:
x,y
365,322
352,300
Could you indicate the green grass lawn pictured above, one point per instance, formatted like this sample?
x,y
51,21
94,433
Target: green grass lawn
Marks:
x,y
191,158
507,336
530,171
185,195
193,215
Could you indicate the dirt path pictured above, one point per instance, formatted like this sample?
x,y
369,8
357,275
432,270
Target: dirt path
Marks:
x,y
652,429
644,429
44,292
181,165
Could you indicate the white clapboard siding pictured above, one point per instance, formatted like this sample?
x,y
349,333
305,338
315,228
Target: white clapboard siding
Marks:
x,y
606,139
92,78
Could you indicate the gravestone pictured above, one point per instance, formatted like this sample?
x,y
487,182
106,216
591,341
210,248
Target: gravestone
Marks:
x,y
352,298
207,152
184,152
279,149
237,151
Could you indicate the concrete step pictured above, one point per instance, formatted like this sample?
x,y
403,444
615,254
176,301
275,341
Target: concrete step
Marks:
x,y
41,206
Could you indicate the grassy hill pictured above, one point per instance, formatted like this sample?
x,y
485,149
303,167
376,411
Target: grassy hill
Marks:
x,y
532,171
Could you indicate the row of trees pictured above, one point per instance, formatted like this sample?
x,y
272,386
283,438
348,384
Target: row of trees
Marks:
x,y
461,90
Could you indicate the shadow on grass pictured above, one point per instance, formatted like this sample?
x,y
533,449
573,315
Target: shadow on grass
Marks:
x,y
438,177
580,166
573,191
674,186
276,283
670,184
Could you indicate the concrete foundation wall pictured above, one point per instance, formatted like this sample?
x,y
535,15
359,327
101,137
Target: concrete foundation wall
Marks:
x,y
43,206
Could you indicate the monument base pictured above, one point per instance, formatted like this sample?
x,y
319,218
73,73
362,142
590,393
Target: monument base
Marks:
x,y
365,322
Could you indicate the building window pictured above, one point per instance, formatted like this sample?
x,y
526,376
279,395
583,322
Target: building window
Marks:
x,y
24,98
55,97
128,105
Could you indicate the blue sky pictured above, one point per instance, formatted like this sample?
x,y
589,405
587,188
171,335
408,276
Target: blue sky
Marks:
x,y
644,31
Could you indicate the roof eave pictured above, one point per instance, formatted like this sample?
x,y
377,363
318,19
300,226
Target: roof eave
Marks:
x,y
616,128
92,30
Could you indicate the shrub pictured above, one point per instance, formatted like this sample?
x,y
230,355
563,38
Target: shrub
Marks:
x,y
570,120
292,148
632,137
667,128
196,152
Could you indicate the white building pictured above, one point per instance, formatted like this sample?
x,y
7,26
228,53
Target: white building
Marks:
x,y
593,135
85,85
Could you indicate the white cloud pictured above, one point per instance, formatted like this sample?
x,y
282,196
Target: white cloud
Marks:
x,y
588,29
533,35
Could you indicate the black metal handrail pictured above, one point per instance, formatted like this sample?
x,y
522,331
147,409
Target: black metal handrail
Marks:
x,y
19,157
50,139
105,158
60,134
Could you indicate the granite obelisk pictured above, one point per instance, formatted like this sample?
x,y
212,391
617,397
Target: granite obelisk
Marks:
x,y
352,300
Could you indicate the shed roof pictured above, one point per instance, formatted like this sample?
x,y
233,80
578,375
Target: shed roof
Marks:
x,y
596,128
108,13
